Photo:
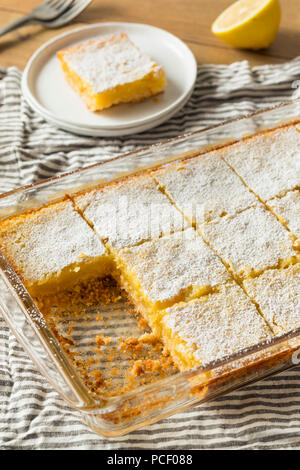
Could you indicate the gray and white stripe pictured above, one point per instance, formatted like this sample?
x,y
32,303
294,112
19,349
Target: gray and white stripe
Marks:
x,y
32,416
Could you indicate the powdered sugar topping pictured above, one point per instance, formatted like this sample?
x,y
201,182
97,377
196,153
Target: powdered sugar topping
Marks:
x,y
250,241
49,240
167,266
129,212
109,62
278,295
217,325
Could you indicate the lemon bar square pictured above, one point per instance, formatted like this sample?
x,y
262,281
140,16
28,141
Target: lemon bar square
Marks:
x,y
269,163
205,188
287,209
129,212
212,327
111,70
251,241
159,273
277,292
53,248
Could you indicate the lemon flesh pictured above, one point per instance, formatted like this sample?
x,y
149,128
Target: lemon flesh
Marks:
x,y
249,24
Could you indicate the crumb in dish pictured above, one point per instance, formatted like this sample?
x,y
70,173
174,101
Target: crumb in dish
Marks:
x,y
111,70
105,342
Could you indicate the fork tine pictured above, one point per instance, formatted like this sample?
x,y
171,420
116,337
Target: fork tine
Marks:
x,y
49,3
56,3
59,3
76,7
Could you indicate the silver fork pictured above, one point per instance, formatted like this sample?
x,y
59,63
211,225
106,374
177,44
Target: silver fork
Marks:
x,y
77,7
47,11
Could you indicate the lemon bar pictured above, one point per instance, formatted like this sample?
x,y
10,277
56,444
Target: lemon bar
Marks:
x,y
287,209
212,327
53,248
268,163
205,188
277,292
111,70
129,212
175,268
251,241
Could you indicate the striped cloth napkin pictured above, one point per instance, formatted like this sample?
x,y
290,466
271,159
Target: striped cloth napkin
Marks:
x,y
32,416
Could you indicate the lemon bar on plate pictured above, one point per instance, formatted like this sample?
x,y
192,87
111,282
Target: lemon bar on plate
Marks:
x,y
111,70
174,268
53,248
277,292
128,212
211,327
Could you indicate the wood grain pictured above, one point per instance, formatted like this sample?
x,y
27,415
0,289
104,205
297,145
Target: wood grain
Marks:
x,y
190,20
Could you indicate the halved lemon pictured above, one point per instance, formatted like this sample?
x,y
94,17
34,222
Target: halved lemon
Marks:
x,y
249,24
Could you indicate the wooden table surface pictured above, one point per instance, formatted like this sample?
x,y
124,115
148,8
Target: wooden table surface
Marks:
x,y
190,20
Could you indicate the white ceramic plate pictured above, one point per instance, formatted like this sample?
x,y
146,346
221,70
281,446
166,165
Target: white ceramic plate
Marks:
x,y
102,132
48,93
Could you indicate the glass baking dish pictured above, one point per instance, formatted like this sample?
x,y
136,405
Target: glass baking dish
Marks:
x,y
119,414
